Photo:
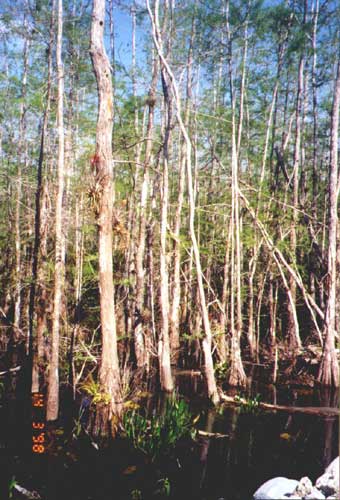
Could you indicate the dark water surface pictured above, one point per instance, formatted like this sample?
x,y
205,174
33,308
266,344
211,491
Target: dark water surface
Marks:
x,y
258,447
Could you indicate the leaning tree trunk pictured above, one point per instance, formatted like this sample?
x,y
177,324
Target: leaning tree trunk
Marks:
x,y
207,340
59,269
329,367
102,163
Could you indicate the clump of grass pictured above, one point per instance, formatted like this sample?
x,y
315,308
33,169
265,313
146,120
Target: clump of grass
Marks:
x,y
159,434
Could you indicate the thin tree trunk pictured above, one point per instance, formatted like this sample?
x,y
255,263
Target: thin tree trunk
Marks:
x,y
176,288
209,367
141,352
237,376
329,367
59,268
21,155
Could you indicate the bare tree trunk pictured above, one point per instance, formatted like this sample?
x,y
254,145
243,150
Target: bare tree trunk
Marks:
x,y
294,340
329,367
209,368
109,368
237,376
176,288
164,341
59,268
141,352
21,156
35,342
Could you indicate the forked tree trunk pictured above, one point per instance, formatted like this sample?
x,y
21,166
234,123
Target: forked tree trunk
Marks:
x,y
109,375
207,340
329,367
59,268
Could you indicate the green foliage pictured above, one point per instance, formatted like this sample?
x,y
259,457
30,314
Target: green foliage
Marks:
x,y
248,405
160,434
11,486
163,487
136,495
92,388
221,370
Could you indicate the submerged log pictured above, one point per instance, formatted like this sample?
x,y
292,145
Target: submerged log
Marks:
x,y
311,410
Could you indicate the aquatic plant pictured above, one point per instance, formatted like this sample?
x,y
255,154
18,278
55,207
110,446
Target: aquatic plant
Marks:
x,y
11,487
248,405
163,487
159,434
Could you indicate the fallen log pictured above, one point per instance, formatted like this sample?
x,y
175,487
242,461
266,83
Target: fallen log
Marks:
x,y
11,370
311,410
211,434
31,495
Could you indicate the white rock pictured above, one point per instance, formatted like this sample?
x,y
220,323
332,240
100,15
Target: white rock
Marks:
x,y
315,494
277,488
304,487
328,483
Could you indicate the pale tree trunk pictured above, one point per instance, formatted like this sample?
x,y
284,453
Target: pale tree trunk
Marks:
x,y
109,375
237,376
176,287
164,340
209,367
142,354
21,160
294,341
59,268
329,367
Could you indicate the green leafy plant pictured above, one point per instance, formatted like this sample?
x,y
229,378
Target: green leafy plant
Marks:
x,y
163,487
221,370
11,486
248,405
92,388
136,495
159,434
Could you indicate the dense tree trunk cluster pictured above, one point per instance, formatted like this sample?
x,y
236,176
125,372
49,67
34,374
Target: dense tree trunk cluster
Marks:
x,y
176,206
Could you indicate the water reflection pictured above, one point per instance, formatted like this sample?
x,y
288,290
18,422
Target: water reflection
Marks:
x,y
257,447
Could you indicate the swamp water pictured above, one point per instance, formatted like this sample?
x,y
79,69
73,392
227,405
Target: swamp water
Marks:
x,y
258,446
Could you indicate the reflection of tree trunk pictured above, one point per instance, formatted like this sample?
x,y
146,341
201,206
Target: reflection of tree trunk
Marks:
x,y
329,398
205,446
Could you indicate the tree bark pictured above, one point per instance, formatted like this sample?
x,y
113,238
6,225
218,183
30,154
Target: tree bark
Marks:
x,y
59,267
329,367
109,375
